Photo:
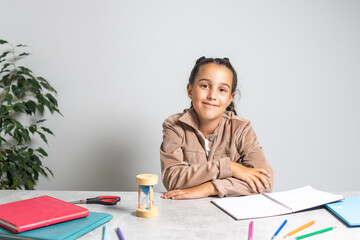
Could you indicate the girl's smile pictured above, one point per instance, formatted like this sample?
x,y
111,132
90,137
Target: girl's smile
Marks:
x,y
209,105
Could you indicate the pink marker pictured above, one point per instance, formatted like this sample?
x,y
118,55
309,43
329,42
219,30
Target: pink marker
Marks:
x,y
251,230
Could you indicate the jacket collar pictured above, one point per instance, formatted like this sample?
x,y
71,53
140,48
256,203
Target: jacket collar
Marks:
x,y
190,118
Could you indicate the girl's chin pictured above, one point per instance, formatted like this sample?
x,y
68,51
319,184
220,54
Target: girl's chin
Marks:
x,y
210,117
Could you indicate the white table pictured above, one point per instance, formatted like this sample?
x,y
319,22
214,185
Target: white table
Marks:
x,y
192,219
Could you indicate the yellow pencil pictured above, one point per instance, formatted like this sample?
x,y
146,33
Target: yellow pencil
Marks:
x,y
299,229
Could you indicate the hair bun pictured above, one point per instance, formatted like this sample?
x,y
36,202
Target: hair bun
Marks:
x,y
200,59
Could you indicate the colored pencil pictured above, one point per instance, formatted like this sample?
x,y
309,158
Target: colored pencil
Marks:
x,y
314,233
251,229
279,229
119,233
299,229
105,232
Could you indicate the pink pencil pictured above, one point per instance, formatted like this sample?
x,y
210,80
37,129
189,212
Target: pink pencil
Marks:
x,y
251,230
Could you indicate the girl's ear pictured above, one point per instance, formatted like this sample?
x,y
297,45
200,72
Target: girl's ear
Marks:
x,y
231,97
189,90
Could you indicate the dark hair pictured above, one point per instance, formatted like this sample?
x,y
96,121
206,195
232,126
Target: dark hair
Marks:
x,y
220,61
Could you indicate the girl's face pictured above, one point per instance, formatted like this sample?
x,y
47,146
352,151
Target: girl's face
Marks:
x,y
211,91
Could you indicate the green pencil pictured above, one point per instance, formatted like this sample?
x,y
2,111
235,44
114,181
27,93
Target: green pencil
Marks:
x,y
314,233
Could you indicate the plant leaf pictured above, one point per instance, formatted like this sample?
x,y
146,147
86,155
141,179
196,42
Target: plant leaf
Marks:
x,y
43,137
40,121
9,98
9,129
46,84
24,54
4,67
6,80
4,54
47,130
25,134
20,107
31,106
52,99
42,151
18,124
40,108
32,129
21,45
49,171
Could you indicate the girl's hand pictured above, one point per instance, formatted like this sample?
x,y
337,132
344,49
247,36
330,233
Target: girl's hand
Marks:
x,y
201,191
255,177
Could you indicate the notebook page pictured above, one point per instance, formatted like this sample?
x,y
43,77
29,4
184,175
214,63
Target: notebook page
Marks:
x,y
304,198
254,206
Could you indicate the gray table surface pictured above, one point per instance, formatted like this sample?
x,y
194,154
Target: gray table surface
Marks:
x,y
192,219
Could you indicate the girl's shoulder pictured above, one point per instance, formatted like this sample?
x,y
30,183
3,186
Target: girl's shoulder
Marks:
x,y
182,120
231,118
238,125
175,117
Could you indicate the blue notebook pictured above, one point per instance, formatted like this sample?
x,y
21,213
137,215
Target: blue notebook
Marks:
x,y
62,231
347,210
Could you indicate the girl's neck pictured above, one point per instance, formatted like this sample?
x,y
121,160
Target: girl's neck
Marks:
x,y
207,127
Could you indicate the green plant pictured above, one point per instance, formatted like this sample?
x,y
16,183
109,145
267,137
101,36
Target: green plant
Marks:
x,y
24,99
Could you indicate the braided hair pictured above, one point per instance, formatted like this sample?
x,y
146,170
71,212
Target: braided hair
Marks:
x,y
220,61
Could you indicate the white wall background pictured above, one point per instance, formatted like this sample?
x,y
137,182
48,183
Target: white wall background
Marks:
x,y
121,67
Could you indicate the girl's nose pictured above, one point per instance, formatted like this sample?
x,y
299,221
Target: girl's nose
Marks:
x,y
211,95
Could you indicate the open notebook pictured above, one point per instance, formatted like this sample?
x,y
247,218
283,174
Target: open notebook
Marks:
x,y
273,204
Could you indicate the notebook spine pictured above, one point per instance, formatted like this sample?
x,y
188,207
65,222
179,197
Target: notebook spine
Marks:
x,y
270,198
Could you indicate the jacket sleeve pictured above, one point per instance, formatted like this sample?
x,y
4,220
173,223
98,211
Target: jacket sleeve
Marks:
x,y
252,156
179,174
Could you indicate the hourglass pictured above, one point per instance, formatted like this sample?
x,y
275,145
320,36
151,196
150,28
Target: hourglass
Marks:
x,y
146,208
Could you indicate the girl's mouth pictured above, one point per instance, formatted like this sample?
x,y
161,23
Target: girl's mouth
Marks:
x,y
210,105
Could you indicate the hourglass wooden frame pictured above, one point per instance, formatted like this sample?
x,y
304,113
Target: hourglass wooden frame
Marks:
x,y
146,180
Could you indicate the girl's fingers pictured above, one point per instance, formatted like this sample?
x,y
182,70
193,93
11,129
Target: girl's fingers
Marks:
x,y
170,194
251,184
263,171
177,197
256,178
258,184
264,181
260,181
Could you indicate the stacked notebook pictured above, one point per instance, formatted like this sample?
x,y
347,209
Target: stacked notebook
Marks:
x,y
46,217
348,210
69,230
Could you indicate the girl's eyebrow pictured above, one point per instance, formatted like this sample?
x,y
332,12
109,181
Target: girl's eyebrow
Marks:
x,y
226,85
204,79
207,80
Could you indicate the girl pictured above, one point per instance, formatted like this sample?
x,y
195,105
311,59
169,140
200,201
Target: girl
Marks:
x,y
207,150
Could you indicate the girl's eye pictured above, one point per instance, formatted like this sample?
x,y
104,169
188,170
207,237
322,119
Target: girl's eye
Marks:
x,y
204,86
222,90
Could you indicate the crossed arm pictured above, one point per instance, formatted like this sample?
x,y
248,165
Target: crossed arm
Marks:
x,y
256,178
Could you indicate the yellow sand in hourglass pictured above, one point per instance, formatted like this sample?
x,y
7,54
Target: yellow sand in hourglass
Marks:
x,y
146,208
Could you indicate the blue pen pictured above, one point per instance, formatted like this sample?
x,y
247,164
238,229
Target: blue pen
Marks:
x,y
119,233
105,232
276,233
